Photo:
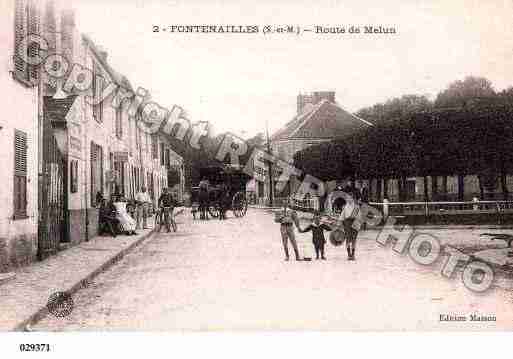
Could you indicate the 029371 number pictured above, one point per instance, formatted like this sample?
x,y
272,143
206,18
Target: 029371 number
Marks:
x,y
34,347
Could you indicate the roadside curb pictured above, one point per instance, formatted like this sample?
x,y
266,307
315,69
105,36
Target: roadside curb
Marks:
x,y
5,277
41,313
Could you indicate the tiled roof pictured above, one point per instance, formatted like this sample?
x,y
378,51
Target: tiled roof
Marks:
x,y
325,120
57,109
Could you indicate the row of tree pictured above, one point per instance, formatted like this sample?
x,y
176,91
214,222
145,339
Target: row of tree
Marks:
x,y
468,129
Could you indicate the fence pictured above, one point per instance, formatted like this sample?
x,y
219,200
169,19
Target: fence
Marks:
x,y
310,204
449,212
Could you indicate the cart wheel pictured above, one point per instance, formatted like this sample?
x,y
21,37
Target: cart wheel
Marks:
x,y
239,204
213,211
157,222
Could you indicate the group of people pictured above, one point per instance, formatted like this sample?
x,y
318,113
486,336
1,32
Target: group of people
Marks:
x,y
349,212
116,215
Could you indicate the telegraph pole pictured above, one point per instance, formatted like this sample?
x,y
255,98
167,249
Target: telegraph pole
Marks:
x,y
269,166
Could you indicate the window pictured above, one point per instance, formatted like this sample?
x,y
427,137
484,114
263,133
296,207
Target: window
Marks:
x,y
162,154
119,123
26,21
20,174
168,158
130,140
73,176
96,172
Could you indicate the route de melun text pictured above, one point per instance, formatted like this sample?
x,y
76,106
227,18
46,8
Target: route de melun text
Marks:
x,y
277,29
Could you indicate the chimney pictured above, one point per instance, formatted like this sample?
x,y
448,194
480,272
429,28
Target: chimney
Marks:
x,y
318,96
302,101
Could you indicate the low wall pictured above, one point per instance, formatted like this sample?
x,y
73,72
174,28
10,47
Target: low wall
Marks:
x,y
17,251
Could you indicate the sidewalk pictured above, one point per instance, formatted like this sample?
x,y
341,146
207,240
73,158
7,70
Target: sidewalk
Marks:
x,y
23,299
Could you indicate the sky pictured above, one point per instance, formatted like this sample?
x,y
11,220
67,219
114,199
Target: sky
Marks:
x,y
245,82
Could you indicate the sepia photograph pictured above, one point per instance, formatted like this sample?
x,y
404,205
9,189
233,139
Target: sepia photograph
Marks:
x,y
173,166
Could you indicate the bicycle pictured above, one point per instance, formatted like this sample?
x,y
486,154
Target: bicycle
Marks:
x,y
165,217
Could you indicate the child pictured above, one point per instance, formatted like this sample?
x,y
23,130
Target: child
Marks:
x,y
317,235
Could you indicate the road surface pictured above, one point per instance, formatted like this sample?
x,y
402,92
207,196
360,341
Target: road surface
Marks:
x,y
231,275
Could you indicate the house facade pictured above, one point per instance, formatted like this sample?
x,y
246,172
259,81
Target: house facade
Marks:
x,y
19,137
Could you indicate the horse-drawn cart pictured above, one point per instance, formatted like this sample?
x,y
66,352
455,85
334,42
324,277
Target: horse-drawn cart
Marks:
x,y
224,182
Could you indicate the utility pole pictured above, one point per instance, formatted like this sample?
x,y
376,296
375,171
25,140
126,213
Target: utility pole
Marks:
x,y
269,166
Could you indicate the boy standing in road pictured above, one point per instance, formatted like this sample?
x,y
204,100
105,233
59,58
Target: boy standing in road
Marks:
x,y
287,219
350,213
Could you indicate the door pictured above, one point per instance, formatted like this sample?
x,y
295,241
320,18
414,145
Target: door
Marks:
x,y
52,226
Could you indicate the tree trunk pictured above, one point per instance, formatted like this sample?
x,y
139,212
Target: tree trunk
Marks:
x,y
426,192
434,187
504,185
461,187
444,188
481,188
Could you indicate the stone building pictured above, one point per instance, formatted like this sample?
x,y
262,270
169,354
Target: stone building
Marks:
x,y
319,119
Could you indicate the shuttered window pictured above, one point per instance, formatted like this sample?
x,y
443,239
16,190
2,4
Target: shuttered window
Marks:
x,y
168,158
119,123
73,176
20,174
26,22
162,154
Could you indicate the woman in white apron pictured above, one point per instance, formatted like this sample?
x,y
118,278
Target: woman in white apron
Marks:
x,y
126,222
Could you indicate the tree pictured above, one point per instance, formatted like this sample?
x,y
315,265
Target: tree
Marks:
x,y
325,161
460,93
396,108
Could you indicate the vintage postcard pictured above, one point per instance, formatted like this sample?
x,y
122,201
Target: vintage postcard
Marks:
x,y
172,166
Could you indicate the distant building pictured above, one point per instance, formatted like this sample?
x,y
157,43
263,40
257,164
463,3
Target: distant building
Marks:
x,y
319,119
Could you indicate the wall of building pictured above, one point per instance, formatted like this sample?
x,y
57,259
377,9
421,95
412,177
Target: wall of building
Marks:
x,y
18,238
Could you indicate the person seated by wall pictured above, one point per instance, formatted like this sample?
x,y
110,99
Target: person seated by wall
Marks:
x,y
107,221
126,223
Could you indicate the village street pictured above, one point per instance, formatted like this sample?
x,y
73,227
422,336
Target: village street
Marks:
x,y
231,275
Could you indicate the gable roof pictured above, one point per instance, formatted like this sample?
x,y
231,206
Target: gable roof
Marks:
x,y
324,120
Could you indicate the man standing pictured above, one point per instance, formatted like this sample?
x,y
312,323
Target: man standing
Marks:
x,y
143,201
350,213
204,198
287,219
166,200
